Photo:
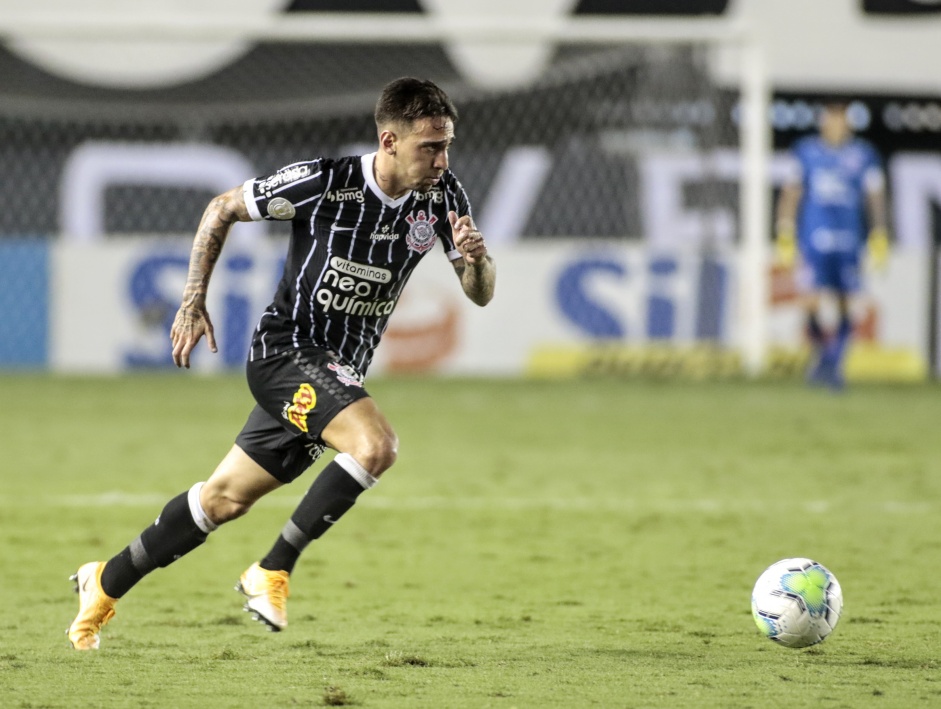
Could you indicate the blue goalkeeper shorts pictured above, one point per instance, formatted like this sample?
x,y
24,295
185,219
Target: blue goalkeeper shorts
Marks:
x,y
835,270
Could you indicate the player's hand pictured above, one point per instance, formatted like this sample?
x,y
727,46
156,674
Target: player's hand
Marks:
x,y
467,239
189,325
785,247
878,248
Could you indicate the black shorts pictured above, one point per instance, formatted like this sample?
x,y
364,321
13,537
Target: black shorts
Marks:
x,y
297,393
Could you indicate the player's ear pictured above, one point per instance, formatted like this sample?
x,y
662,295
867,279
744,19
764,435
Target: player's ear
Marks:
x,y
387,142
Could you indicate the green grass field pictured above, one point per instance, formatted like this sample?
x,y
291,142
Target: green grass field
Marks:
x,y
538,544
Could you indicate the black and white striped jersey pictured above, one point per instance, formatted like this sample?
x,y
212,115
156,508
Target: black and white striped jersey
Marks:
x,y
351,252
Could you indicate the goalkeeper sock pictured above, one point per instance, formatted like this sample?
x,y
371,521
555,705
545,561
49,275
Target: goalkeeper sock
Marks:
x,y
814,332
836,350
181,527
332,494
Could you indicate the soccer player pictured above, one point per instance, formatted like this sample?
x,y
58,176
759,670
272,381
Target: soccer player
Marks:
x,y
836,190
360,225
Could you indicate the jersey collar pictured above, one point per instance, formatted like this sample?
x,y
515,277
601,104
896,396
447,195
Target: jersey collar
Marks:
x,y
370,178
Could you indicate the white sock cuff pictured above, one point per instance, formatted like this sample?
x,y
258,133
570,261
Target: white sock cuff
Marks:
x,y
357,471
198,513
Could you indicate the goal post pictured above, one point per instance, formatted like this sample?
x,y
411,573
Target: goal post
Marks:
x,y
756,206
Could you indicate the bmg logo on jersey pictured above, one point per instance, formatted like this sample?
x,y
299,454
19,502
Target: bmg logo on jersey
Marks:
x,y
351,288
347,194
434,195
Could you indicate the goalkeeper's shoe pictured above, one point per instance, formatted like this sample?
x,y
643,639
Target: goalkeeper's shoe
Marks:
x,y
266,594
95,607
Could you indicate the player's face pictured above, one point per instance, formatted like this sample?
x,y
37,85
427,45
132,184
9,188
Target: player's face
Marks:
x,y
834,124
422,154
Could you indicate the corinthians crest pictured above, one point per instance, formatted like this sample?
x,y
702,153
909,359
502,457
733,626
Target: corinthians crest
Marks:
x,y
421,233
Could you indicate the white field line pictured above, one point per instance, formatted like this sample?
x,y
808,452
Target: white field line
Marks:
x,y
556,504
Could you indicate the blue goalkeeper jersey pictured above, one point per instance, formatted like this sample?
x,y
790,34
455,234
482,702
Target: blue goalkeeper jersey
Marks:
x,y
835,181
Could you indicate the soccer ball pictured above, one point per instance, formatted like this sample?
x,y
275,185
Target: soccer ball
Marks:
x,y
796,602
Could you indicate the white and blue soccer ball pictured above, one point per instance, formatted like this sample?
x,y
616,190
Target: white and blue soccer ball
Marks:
x,y
797,602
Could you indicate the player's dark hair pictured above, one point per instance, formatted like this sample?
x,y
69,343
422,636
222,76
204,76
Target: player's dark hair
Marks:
x,y
834,101
408,99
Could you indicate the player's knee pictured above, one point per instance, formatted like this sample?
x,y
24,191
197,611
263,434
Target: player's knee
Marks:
x,y
221,506
377,453
227,509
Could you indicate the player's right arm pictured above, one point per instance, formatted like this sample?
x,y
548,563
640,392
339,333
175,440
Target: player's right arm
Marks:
x,y
785,223
785,242
192,319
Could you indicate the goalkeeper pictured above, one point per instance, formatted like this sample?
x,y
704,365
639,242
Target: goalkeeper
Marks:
x,y
831,210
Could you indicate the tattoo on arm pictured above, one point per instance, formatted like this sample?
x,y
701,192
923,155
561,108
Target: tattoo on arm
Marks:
x,y
213,229
478,280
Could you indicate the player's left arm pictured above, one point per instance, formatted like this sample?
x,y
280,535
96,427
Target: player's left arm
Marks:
x,y
475,269
877,209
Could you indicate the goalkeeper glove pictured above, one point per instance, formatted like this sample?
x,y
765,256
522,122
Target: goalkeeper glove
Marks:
x,y
878,247
785,246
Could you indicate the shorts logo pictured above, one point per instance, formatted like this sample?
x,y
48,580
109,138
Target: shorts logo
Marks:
x,y
315,450
305,398
346,374
421,235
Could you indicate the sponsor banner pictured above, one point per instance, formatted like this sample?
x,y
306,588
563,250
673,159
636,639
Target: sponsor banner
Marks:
x,y
662,361
567,309
866,361
571,293
561,308
113,303
24,285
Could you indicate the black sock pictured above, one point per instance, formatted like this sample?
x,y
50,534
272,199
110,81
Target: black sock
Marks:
x,y
814,331
120,574
332,494
174,534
